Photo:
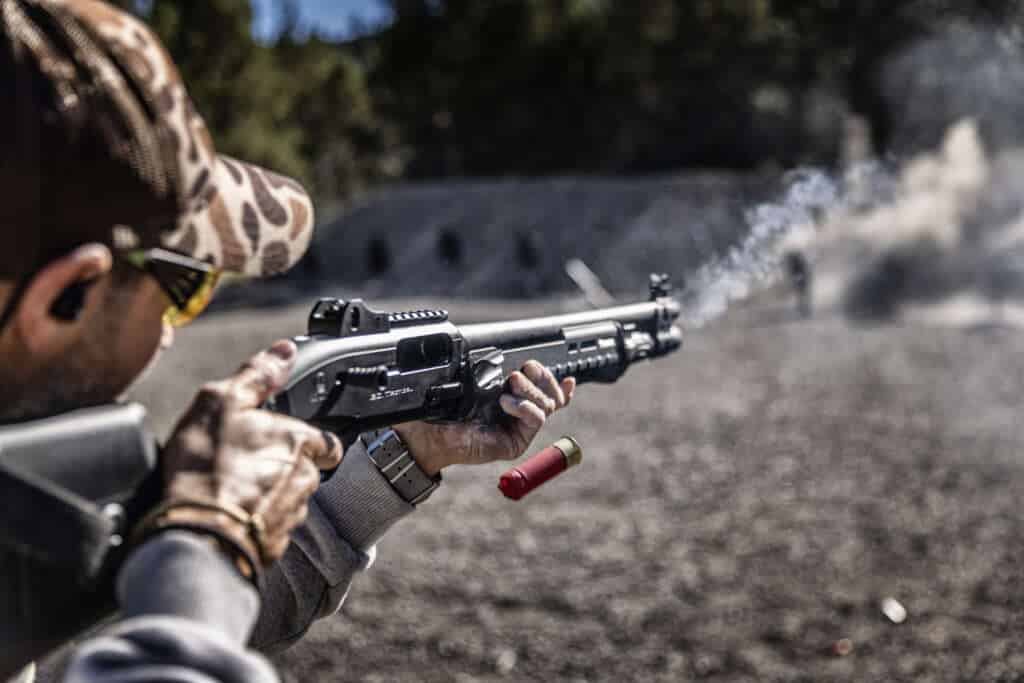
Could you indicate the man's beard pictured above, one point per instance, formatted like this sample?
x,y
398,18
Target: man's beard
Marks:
x,y
75,392
84,377
44,397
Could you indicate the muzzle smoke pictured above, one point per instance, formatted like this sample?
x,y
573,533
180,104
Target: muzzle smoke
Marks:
x,y
755,262
939,238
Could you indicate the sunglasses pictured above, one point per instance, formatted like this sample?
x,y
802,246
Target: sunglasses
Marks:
x,y
188,283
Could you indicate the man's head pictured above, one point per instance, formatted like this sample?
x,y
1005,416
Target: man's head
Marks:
x,y
115,205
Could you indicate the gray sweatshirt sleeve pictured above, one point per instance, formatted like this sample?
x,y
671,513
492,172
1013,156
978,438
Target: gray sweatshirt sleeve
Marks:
x,y
187,615
347,515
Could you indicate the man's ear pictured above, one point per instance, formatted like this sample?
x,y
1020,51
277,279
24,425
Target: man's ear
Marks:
x,y
46,319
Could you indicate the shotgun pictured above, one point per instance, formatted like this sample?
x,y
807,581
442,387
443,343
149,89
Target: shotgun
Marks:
x,y
73,486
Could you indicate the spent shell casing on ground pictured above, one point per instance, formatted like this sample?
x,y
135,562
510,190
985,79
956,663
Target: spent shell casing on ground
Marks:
x,y
537,469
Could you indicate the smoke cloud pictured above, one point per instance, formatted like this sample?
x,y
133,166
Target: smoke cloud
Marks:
x,y
754,263
936,231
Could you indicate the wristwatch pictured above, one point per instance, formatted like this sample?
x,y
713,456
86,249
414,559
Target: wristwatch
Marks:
x,y
391,456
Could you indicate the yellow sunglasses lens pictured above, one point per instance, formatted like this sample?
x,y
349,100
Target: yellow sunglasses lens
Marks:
x,y
197,303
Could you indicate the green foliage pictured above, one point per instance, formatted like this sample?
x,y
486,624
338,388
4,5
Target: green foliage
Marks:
x,y
299,106
539,86
471,87
347,145
240,89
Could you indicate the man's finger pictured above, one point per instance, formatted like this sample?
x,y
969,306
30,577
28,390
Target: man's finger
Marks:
x,y
261,376
545,381
521,387
326,454
524,410
289,522
306,478
322,448
296,518
293,504
289,492
275,547
569,389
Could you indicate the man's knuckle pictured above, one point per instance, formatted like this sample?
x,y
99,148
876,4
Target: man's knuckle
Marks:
x,y
247,366
261,378
309,444
208,406
541,399
334,446
212,392
308,472
276,548
195,439
311,485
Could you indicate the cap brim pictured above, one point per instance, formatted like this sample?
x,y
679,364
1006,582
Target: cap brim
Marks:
x,y
246,219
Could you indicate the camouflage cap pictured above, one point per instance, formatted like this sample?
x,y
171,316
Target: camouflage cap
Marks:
x,y
104,144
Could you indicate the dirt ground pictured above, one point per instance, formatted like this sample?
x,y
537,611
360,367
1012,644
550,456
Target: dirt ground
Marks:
x,y
742,507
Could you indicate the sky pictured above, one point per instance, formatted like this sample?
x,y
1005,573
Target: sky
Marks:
x,y
330,17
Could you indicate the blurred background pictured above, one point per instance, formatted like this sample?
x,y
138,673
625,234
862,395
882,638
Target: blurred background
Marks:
x,y
451,137
825,483
352,93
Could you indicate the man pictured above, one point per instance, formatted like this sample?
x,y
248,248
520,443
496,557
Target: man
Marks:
x,y
117,217
801,278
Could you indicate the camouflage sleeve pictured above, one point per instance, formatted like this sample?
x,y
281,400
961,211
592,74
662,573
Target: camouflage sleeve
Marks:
x,y
347,516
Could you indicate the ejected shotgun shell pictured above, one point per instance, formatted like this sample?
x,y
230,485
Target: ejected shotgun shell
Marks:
x,y
545,465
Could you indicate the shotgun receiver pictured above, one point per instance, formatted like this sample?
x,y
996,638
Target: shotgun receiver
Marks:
x,y
359,369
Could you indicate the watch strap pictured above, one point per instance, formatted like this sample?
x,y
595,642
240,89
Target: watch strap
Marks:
x,y
390,455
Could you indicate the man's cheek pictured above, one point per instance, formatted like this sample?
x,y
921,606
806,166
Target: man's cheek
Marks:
x,y
165,342
142,374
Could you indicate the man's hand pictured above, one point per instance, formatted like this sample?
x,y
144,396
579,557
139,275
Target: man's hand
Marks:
x,y
246,461
534,394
